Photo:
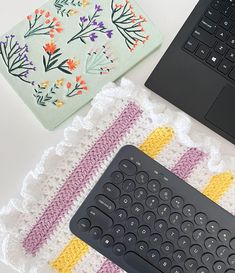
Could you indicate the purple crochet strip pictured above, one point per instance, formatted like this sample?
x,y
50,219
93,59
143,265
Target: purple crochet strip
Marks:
x,y
184,167
109,267
80,177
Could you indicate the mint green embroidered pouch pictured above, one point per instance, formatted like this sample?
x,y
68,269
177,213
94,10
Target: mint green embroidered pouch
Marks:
x,y
59,57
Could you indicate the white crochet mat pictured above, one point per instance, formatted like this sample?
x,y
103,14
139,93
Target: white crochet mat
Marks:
x,y
41,241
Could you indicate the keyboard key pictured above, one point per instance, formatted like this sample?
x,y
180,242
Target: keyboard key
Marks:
x,y
152,202
222,252
231,55
167,248
232,243
128,185
142,178
226,10
219,267
84,225
191,265
154,186
165,264
107,241
177,202
196,251
140,194
225,23
232,74
144,232
111,191
117,177
179,256
137,209
120,215
216,4
203,270
191,45
149,218
119,249
187,227
199,235
142,248
96,233
184,242
221,48
98,218
130,239
201,219
105,204
164,211
125,201
231,260
165,194
135,261
213,59
231,41
225,67
214,15
224,236
212,227
232,17
211,244
208,25
161,226
189,211
127,167
155,239
204,37
172,234
153,257
232,30
118,231
177,269
132,223
175,219
202,52
221,34
207,259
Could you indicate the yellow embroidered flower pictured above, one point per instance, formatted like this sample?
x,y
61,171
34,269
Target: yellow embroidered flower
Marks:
x,y
60,82
44,85
85,3
59,103
72,12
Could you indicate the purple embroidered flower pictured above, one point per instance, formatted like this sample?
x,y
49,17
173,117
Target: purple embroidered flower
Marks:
x,y
101,25
93,36
83,19
109,33
98,8
94,22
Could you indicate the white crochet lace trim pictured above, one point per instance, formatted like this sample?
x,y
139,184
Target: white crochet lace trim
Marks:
x,y
104,104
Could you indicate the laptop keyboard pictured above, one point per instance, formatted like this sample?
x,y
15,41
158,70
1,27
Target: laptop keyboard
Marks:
x,y
147,220
213,39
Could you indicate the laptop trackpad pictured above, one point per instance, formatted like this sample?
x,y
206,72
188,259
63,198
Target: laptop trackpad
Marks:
x,y
222,112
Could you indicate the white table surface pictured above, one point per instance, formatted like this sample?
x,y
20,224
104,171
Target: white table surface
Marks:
x,y
23,139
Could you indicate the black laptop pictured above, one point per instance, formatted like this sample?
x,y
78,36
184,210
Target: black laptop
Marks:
x,y
197,73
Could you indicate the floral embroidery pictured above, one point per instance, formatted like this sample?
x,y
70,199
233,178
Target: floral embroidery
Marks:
x,y
43,23
90,27
15,57
129,24
100,61
69,7
48,95
53,53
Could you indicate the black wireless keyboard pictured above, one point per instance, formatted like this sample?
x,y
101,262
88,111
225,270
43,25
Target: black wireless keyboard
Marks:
x,y
213,39
147,220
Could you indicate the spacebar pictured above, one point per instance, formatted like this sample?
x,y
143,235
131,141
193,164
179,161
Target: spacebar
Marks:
x,y
139,264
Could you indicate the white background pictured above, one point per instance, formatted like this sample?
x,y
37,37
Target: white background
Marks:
x,y
23,139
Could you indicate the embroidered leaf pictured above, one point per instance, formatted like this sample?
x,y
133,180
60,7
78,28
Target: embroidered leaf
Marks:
x,y
64,70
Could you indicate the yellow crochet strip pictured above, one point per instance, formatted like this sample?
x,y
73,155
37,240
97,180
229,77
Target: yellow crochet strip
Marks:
x,y
156,141
71,254
76,249
218,185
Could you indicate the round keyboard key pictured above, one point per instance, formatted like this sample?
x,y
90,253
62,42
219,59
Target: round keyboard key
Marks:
x,y
207,259
191,265
172,234
117,177
96,233
142,178
164,211
196,251
179,256
189,211
230,271
84,225
127,167
201,219
125,201
149,218
111,191
120,215
107,241
161,226
219,267
128,186
199,235
212,227
184,242
141,248
167,248
231,260
119,249
177,202
175,219
152,202
137,209
153,256
140,194
165,264
232,243
143,232
154,186
222,252
177,269
132,223
118,231
130,239
155,239
203,270
224,235
187,227
211,244
165,194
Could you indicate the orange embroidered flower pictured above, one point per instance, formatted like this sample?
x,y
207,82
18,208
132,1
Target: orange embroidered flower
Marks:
x,y
78,78
47,21
82,82
42,11
85,88
37,11
47,14
79,93
50,47
71,64
57,24
59,30
69,85
29,17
